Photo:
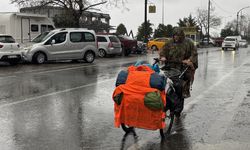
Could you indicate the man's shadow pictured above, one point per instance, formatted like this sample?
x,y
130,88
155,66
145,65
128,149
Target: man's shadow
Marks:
x,y
177,138
126,138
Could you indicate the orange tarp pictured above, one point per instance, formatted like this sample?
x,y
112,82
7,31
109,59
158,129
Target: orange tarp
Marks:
x,y
132,111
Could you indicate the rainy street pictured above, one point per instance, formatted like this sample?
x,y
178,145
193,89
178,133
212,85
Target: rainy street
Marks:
x,y
69,106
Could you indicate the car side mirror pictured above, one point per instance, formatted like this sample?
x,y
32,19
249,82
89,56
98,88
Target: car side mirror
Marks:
x,y
53,42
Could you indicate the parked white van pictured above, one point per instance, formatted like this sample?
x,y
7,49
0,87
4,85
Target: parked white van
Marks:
x,y
63,44
230,42
24,27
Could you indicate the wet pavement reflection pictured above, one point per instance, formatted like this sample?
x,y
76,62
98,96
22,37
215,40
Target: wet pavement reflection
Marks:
x,y
68,106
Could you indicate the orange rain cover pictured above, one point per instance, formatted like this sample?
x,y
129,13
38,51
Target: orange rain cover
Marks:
x,y
132,111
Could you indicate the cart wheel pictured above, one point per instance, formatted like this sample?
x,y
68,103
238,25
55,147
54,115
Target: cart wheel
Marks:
x,y
171,121
127,129
170,124
162,134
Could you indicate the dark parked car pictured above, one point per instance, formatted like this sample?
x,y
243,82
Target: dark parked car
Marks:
x,y
218,41
129,45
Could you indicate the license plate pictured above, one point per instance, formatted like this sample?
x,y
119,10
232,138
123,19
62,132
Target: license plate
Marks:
x,y
12,56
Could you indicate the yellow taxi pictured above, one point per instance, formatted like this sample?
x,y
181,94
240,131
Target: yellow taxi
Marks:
x,y
157,44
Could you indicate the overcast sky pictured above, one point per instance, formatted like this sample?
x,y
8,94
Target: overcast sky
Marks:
x,y
133,14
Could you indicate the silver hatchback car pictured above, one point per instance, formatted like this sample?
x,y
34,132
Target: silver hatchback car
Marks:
x,y
9,50
63,44
108,45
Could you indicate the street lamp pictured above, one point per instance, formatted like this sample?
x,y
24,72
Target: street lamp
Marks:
x,y
145,23
237,24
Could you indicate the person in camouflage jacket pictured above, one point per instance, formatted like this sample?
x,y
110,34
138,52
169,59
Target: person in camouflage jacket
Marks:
x,y
181,49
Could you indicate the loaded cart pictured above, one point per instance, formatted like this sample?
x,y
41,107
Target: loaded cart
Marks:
x,y
140,99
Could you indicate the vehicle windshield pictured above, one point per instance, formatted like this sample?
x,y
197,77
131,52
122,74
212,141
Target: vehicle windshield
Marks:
x,y
229,39
40,37
7,39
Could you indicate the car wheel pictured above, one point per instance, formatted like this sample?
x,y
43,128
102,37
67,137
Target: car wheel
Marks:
x,y
102,53
154,48
39,58
211,45
74,60
89,57
13,63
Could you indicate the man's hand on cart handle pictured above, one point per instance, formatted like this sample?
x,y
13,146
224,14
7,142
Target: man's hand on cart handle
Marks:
x,y
189,63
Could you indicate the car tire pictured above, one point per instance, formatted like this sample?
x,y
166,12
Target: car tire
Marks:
x,y
102,53
39,58
74,60
13,63
89,57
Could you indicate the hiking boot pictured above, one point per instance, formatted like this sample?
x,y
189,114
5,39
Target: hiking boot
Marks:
x,y
177,114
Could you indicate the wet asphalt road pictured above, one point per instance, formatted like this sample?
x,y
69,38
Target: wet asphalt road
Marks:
x,y
68,106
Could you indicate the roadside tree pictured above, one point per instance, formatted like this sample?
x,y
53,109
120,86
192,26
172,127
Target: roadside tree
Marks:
x,y
227,32
163,31
73,8
121,29
187,22
140,33
202,20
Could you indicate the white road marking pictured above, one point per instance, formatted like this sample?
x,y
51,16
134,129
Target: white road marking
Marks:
x,y
54,93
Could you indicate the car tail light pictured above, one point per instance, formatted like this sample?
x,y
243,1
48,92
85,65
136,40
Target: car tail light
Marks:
x,y
1,46
110,44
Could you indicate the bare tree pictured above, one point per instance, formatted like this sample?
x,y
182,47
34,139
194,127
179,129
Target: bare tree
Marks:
x,y
244,24
73,7
202,20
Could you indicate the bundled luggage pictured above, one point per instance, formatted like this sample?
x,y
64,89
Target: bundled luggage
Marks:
x,y
140,98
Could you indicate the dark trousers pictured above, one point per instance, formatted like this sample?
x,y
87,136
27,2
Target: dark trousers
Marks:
x,y
180,106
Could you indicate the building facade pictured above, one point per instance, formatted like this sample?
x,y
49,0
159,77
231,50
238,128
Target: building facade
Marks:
x,y
99,22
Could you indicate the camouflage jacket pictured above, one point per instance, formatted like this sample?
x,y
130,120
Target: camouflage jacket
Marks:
x,y
180,51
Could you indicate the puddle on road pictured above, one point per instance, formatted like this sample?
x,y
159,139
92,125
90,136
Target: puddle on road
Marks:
x,y
247,64
247,81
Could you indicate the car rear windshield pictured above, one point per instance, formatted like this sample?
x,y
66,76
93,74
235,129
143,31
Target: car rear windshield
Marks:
x,y
7,39
229,39
114,39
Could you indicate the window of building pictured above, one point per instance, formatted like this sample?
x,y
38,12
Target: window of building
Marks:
x,y
34,28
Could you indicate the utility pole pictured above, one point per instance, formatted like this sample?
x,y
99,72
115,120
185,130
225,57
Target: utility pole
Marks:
x,y
163,12
208,22
145,23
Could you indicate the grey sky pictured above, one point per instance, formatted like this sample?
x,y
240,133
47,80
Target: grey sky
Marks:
x,y
173,10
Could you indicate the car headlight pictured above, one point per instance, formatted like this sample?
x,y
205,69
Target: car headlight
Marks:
x,y
27,49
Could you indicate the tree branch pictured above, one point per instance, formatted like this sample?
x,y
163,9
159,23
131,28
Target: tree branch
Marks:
x,y
86,8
